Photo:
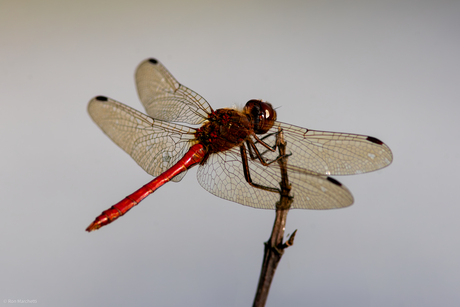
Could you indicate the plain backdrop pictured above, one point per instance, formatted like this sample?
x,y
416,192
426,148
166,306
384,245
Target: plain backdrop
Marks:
x,y
389,69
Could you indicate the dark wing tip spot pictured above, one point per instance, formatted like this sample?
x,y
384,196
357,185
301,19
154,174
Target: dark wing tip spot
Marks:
x,y
153,61
334,181
102,98
374,140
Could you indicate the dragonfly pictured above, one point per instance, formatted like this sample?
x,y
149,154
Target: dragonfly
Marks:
x,y
233,148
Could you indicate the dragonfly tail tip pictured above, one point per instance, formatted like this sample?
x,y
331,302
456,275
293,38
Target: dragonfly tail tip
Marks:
x,y
93,226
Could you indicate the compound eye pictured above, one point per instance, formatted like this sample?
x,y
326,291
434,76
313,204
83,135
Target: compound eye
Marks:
x,y
262,114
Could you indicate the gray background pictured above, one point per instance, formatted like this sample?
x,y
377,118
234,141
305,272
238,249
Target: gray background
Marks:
x,y
389,69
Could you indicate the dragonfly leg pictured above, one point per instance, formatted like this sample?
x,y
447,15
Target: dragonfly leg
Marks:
x,y
247,174
254,153
267,135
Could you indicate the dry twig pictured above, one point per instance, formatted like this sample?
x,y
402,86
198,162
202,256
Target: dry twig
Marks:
x,y
274,247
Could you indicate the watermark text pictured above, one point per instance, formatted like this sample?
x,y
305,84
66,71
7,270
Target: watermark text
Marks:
x,y
19,301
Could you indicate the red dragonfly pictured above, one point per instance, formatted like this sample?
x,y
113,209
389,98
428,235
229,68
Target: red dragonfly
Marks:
x,y
234,148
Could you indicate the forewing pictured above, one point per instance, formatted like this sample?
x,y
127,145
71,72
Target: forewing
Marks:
x,y
329,153
166,99
223,176
154,144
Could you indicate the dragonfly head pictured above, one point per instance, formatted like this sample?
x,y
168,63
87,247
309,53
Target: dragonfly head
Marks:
x,y
262,115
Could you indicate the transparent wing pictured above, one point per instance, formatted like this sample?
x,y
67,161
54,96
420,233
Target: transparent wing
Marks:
x,y
223,176
154,144
329,153
166,99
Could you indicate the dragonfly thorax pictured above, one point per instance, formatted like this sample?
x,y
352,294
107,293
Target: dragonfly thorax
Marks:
x,y
225,129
